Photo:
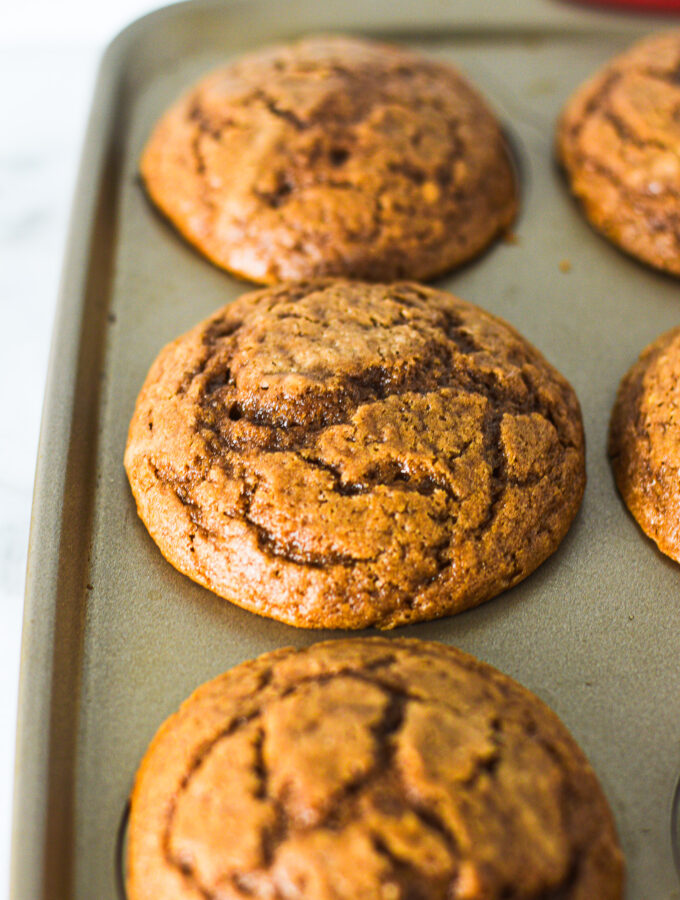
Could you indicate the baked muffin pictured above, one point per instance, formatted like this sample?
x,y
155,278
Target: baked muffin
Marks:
x,y
372,768
644,442
339,454
333,156
619,141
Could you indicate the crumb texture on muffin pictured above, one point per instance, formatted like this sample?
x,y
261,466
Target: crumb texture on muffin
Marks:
x,y
619,141
339,454
644,441
386,770
333,156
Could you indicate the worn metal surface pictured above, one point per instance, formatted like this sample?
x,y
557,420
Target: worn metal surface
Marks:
x,y
115,639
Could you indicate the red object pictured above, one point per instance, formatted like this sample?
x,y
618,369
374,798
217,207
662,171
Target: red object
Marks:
x,y
640,5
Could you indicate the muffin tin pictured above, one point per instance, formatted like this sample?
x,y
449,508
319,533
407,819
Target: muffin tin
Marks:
x,y
114,638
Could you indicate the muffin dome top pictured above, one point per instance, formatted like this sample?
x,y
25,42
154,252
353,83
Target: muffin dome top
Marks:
x,y
333,156
338,454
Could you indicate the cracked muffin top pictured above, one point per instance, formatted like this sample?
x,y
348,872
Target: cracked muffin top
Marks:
x,y
619,141
644,441
340,454
332,156
368,768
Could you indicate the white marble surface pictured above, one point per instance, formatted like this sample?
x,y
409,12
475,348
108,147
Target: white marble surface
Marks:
x,y
49,54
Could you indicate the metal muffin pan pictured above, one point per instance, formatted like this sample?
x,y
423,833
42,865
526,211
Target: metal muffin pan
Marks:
x,y
115,639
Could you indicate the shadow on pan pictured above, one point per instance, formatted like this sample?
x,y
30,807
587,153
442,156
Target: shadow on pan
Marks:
x,y
675,827
121,847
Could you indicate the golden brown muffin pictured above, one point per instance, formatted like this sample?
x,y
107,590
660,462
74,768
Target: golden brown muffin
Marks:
x,y
339,454
333,156
644,441
619,141
368,768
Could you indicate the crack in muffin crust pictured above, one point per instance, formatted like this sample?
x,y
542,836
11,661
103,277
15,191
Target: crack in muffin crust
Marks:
x,y
340,454
454,783
618,139
333,156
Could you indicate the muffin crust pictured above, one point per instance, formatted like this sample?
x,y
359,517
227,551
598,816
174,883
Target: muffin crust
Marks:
x,y
619,142
333,156
338,454
385,770
644,442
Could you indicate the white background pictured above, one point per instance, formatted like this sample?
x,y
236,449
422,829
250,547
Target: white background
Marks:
x,y
49,52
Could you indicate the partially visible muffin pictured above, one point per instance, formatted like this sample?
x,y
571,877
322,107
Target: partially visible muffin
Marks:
x,y
338,454
333,156
374,769
644,441
619,141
